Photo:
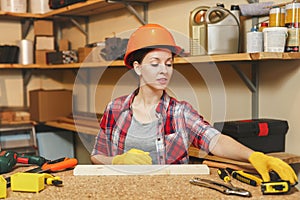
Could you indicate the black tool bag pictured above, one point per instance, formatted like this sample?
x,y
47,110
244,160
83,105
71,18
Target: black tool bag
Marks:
x,y
115,48
54,4
265,135
9,54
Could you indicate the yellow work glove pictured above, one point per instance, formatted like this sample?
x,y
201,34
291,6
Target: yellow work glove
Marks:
x,y
264,164
133,157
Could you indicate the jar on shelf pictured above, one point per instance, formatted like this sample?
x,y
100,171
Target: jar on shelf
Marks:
x,y
292,22
263,25
277,17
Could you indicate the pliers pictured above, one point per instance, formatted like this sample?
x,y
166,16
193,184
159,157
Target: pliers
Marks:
x,y
224,188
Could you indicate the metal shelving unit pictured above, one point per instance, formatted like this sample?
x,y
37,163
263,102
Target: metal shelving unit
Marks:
x,y
27,145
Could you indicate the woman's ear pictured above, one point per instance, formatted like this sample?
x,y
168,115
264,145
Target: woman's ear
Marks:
x,y
137,68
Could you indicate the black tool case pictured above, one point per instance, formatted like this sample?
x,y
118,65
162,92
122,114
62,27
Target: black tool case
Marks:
x,y
55,4
265,135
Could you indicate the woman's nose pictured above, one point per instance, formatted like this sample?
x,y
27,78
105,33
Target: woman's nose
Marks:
x,y
163,68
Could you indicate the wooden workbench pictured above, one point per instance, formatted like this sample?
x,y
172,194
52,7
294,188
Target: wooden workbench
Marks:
x,y
139,187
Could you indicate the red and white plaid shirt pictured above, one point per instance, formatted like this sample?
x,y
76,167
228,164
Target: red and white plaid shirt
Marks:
x,y
179,126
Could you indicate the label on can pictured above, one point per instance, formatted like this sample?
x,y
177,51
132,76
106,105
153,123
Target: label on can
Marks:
x,y
277,17
292,42
198,40
292,13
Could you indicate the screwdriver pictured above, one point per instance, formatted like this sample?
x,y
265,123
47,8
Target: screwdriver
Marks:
x,y
245,177
224,176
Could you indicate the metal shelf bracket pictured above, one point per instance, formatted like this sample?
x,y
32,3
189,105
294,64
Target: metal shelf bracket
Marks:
x,y
128,4
27,74
252,85
25,27
85,30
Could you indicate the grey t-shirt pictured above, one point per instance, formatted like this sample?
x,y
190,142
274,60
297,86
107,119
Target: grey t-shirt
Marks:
x,y
142,136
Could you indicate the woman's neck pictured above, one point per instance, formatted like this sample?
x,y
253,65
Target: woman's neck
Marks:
x,y
148,96
145,103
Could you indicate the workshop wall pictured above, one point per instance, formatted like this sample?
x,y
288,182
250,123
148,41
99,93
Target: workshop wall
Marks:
x,y
278,92
277,81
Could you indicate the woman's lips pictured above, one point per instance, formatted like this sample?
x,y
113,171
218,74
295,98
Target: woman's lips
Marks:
x,y
162,81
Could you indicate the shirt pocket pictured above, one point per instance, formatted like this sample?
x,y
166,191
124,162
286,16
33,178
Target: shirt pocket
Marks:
x,y
176,148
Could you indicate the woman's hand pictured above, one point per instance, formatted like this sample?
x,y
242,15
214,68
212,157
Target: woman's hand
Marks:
x,y
264,164
133,157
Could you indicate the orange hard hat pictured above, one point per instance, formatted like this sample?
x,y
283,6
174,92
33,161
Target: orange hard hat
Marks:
x,y
150,36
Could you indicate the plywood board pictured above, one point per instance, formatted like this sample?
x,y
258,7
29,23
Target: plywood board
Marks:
x,y
96,170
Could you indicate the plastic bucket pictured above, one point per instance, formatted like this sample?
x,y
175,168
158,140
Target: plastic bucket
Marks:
x,y
274,39
39,6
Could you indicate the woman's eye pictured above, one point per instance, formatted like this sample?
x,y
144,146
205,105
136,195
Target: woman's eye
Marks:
x,y
154,64
169,64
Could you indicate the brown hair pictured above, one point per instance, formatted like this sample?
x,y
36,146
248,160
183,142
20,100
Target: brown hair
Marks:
x,y
140,54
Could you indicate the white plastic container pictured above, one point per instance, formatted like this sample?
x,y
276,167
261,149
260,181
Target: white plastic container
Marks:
x,y
26,52
223,31
274,39
254,41
39,6
17,6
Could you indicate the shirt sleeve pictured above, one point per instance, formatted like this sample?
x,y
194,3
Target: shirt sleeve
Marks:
x,y
201,132
102,141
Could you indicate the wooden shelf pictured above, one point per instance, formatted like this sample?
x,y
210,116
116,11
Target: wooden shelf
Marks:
x,y
88,8
178,61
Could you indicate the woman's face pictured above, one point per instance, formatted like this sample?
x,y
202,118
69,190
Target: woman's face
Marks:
x,y
156,69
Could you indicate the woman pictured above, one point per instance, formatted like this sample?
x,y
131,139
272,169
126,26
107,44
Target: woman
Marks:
x,y
150,127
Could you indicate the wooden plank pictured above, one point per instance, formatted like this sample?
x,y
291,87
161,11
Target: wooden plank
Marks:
x,y
177,61
214,58
295,55
5,66
107,170
197,153
72,127
266,56
87,8
287,157
92,123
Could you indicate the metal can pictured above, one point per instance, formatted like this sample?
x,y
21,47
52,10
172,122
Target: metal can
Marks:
x,y
292,16
292,41
277,17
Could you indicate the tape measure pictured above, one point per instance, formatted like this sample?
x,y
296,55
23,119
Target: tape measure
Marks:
x,y
274,187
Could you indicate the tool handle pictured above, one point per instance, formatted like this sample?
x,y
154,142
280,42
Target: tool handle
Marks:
x,y
30,159
58,166
223,175
246,178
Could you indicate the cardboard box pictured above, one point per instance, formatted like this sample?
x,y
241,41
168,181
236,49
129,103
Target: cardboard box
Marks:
x,y
265,135
44,43
64,45
41,56
47,105
43,28
83,52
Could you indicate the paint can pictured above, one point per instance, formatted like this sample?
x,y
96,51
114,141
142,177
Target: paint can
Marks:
x,y
274,39
277,17
292,16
